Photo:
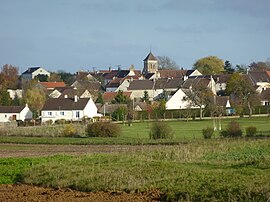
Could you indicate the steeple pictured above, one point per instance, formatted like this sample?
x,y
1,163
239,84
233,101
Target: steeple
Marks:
x,y
150,64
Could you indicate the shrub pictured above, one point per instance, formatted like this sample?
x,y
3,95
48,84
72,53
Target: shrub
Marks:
x,y
60,121
49,122
119,114
233,130
160,130
207,132
103,129
69,131
251,131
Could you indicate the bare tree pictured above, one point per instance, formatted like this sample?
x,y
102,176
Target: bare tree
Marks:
x,y
164,62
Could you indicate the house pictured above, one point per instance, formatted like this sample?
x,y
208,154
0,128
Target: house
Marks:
x,y
199,83
140,106
265,97
179,100
91,86
113,74
51,85
109,96
69,109
82,75
259,79
16,93
72,93
56,93
15,113
221,82
138,87
32,72
177,73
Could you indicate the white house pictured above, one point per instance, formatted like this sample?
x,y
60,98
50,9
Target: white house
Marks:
x,y
179,101
32,72
68,109
15,113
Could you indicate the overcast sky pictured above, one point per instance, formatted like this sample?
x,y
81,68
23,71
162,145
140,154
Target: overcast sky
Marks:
x,y
72,35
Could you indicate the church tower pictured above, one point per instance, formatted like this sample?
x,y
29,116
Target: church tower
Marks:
x,y
150,64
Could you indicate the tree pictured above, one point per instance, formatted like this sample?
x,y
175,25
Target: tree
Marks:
x,y
228,67
55,77
199,97
159,108
67,77
259,66
9,76
5,99
241,68
42,78
240,87
100,98
145,97
119,114
120,98
209,65
35,98
164,62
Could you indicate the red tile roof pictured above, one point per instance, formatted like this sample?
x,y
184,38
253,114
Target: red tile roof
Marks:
x,y
109,96
52,84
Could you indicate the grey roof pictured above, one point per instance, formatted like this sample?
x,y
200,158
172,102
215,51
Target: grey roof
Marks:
x,y
65,104
149,75
141,85
11,109
172,73
89,85
70,93
196,82
255,77
30,70
222,78
150,56
168,83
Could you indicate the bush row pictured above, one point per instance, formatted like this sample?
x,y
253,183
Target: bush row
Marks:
x,y
233,130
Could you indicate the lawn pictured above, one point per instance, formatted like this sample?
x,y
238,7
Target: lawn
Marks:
x,y
138,133
200,170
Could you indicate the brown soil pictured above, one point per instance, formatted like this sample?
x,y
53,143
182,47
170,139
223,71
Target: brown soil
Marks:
x,y
35,150
25,193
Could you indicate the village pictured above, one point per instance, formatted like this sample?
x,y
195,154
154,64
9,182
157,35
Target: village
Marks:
x,y
124,94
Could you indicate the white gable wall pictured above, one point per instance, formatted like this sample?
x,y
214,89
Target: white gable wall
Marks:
x,y
40,71
177,101
90,109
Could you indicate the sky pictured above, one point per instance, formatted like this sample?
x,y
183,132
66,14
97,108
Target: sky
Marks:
x,y
74,35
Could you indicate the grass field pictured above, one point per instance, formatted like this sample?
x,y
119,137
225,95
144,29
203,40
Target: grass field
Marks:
x,y
138,133
201,170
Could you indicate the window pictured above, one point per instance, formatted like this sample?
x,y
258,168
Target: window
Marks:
x,y
62,113
50,113
77,114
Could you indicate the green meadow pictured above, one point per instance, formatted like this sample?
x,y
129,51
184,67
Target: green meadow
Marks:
x,y
138,133
201,170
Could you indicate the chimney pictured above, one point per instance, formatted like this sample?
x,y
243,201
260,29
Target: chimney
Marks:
x,y
76,98
65,96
